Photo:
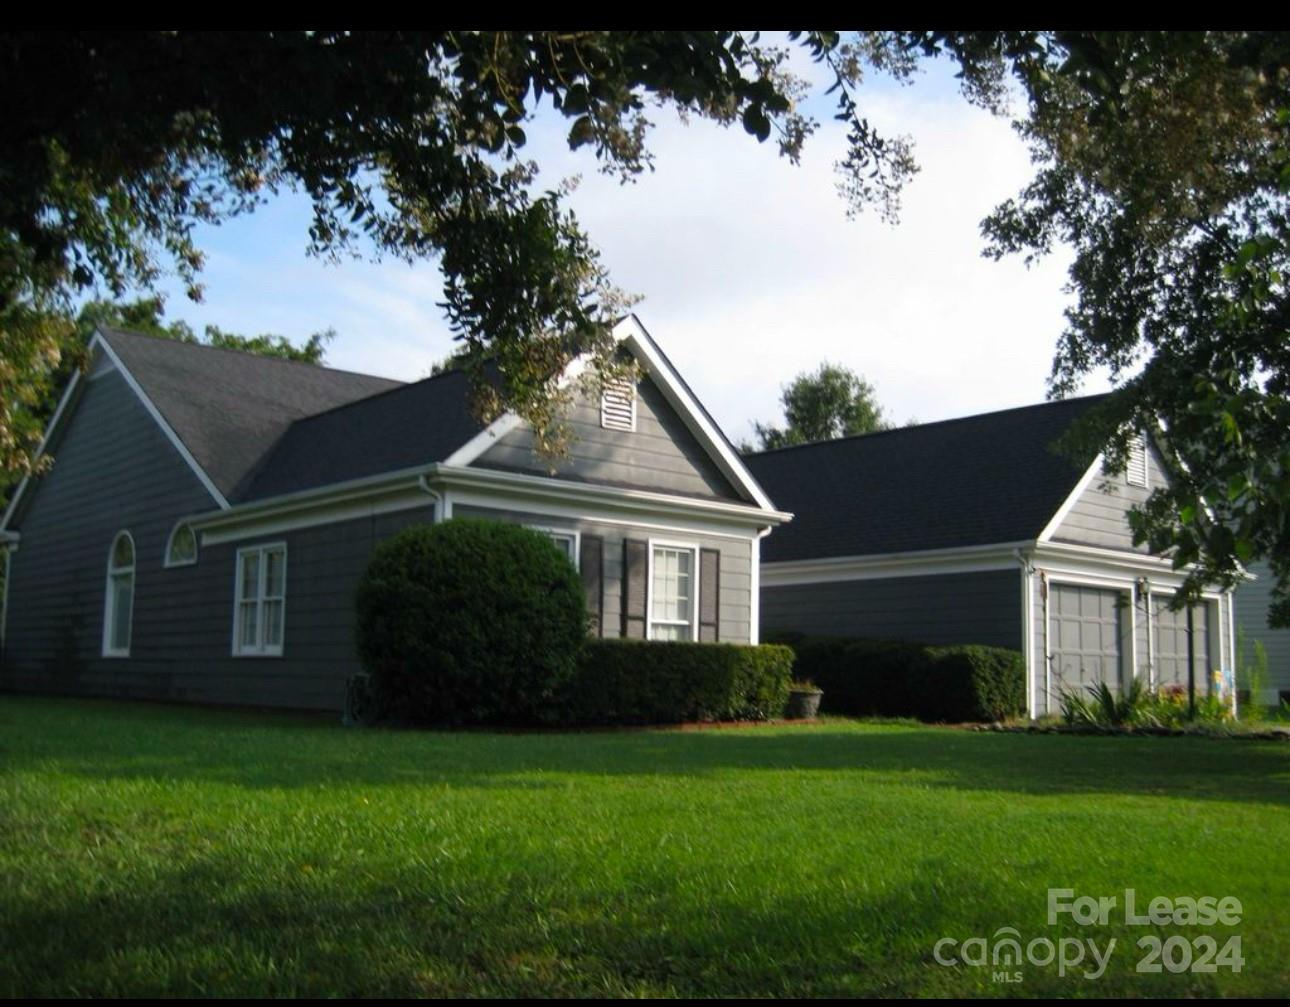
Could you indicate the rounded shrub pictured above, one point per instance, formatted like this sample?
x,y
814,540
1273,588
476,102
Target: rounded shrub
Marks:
x,y
469,622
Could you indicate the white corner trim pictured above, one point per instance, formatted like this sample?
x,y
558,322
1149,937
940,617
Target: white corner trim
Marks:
x,y
754,614
72,385
633,334
98,342
1028,630
1068,504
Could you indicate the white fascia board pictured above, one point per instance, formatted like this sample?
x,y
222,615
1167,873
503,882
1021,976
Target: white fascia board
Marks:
x,y
419,486
1111,567
99,343
68,392
630,332
1085,480
484,440
653,521
504,424
612,497
924,563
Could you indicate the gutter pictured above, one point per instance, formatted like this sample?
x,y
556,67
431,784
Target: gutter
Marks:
x,y
433,478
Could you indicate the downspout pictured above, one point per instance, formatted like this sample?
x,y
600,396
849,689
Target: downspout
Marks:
x,y
754,613
423,482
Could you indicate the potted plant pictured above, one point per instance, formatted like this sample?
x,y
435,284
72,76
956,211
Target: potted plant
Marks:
x,y
803,701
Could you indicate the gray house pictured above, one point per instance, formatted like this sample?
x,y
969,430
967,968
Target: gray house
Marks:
x,y
1252,599
975,531
209,513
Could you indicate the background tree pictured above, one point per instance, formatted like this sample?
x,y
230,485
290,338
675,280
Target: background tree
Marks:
x,y
1161,160
831,401
147,315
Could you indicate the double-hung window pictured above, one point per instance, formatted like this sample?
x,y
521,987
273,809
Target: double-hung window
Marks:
x,y
260,603
673,604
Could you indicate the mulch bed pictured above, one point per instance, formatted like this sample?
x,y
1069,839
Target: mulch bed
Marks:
x,y
1279,733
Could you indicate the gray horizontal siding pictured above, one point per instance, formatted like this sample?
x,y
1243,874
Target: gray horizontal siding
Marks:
x,y
734,625
1100,514
1252,600
982,608
114,470
660,454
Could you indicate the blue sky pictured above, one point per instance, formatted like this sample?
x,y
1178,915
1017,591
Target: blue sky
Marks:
x,y
748,268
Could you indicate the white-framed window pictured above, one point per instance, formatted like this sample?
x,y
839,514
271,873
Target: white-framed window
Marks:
x,y
118,601
1136,471
567,540
181,547
260,601
618,405
673,591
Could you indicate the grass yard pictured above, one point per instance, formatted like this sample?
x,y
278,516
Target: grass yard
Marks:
x,y
161,850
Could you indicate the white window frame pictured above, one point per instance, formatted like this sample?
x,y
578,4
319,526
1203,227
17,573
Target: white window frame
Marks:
x,y
608,419
552,531
681,546
260,648
109,596
169,563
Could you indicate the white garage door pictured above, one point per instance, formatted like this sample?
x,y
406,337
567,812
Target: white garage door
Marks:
x,y
1086,636
1171,645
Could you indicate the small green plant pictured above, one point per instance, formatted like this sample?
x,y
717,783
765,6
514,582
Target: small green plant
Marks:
x,y
1251,677
803,685
1139,706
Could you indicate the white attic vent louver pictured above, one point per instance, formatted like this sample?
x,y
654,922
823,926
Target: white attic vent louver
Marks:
x,y
1136,471
618,406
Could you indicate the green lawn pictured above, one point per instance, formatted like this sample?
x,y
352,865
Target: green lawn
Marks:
x,y
160,850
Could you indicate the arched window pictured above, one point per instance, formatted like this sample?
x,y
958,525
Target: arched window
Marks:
x,y
181,548
118,606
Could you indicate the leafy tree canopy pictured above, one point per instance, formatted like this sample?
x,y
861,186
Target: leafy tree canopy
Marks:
x,y
829,402
1161,160
147,315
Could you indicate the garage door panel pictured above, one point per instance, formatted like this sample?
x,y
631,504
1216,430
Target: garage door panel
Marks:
x,y
1087,641
1171,645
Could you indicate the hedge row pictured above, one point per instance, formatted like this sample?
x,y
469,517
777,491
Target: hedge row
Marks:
x,y
637,682
868,678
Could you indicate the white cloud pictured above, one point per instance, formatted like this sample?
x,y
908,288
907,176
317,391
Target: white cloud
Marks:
x,y
749,269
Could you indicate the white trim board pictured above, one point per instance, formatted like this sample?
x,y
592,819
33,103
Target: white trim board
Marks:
x,y
1072,498
928,563
98,342
54,420
632,333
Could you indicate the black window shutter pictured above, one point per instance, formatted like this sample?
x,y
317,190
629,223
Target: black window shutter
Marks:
x,y
591,560
709,595
635,573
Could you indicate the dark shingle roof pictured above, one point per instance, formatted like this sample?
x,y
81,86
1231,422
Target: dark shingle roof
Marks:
x,y
978,480
231,408
410,425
